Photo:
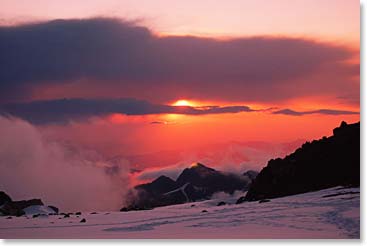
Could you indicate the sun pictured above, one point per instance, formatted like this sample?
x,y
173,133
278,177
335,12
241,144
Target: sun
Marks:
x,y
183,103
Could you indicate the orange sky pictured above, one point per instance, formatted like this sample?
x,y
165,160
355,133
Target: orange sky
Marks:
x,y
329,26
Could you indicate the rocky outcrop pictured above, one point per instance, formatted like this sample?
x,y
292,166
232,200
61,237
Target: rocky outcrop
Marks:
x,y
4,198
221,204
197,182
8,207
161,185
210,180
323,163
55,209
251,175
15,208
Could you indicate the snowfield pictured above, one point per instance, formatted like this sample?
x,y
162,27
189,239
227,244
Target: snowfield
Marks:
x,y
330,213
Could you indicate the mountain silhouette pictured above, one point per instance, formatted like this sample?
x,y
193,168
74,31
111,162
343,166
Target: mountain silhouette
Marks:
x,y
327,162
160,185
198,182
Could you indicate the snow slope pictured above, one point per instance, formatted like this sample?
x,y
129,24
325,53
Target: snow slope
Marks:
x,y
37,209
330,213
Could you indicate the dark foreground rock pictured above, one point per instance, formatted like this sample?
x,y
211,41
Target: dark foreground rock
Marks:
x,y
134,208
241,200
4,198
264,200
55,209
324,163
341,194
15,208
251,175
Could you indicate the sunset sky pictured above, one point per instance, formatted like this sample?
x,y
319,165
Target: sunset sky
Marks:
x,y
160,84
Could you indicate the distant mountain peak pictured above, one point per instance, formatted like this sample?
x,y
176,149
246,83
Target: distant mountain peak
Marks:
x,y
163,181
163,178
196,182
197,165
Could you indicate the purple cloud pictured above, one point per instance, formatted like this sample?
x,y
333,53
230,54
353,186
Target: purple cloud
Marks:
x,y
318,111
128,58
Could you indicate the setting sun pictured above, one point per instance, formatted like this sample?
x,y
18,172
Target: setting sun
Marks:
x,y
183,103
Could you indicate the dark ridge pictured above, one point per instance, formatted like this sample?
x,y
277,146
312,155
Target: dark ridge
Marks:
x,y
160,185
324,163
251,174
198,182
4,198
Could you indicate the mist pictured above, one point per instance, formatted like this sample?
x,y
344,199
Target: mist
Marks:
x,y
32,166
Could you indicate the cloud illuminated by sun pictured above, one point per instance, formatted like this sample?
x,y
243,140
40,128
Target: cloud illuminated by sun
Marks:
x,y
183,103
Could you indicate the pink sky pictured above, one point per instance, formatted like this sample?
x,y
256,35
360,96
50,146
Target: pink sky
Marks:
x,y
314,65
99,89
303,74
336,20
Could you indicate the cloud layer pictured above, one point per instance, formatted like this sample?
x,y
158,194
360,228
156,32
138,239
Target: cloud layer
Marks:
x,y
31,166
64,110
318,111
129,58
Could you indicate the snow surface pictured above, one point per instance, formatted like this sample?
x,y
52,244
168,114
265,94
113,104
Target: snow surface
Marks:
x,y
309,215
37,209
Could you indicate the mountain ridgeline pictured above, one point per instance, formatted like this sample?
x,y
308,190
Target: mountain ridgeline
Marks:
x,y
195,183
324,163
327,162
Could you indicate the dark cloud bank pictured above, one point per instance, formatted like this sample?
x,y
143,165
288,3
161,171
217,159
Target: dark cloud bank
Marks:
x,y
112,52
318,111
65,110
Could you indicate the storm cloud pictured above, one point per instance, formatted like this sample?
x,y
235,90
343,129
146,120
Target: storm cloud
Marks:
x,y
131,59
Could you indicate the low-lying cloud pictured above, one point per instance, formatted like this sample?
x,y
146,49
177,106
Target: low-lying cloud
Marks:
x,y
33,167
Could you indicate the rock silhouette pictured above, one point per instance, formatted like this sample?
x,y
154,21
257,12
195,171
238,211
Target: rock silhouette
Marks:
x,y
15,208
198,182
240,200
320,164
55,209
251,174
4,198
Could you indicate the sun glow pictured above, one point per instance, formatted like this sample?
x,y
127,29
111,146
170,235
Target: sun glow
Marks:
x,y
194,164
183,103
